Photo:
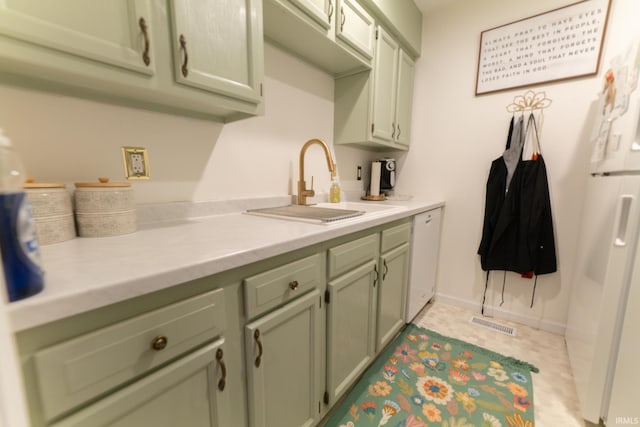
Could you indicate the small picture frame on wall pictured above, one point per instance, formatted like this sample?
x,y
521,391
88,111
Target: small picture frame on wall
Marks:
x,y
561,44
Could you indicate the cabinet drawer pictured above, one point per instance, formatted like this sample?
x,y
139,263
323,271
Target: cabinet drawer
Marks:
x,y
274,287
183,393
78,370
350,255
395,236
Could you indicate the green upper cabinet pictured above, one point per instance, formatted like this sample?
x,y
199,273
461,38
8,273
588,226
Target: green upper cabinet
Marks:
x,y
385,79
322,11
373,109
130,52
336,36
119,38
214,45
355,27
404,98
402,18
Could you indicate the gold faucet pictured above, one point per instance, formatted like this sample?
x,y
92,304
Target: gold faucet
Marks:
x,y
303,192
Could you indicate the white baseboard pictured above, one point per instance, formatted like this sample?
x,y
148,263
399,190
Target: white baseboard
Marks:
x,y
500,313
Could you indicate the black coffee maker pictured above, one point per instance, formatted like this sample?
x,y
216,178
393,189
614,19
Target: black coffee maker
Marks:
x,y
387,174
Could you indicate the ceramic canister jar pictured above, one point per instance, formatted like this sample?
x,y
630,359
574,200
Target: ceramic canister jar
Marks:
x,y
52,213
104,208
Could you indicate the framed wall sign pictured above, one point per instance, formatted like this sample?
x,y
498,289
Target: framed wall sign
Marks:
x,y
557,45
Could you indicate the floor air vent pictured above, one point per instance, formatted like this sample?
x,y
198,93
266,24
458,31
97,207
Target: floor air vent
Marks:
x,y
503,329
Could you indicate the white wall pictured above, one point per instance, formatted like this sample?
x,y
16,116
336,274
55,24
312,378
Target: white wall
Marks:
x,y
64,139
456,135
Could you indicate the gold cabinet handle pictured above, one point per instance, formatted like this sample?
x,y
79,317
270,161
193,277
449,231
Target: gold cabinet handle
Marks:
x,y
393,131
386,269
330,10
183,46
343,19
399,132
293,285
256,337
223,380
145,55
159,343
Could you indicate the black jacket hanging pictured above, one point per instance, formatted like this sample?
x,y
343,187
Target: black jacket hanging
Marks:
x,y
517,231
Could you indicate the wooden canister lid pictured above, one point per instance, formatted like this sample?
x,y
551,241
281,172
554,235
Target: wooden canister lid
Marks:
x,y
31,183
102,183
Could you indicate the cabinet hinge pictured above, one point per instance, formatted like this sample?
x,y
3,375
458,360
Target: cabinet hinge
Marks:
x,y
326,397
327,297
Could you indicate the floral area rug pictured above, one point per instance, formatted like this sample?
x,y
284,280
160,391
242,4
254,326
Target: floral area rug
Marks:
x,y
424,379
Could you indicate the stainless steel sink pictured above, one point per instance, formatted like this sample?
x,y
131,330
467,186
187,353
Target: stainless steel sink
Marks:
x,y
307,213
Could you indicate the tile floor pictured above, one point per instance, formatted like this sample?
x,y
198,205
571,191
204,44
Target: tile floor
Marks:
x,y
555,400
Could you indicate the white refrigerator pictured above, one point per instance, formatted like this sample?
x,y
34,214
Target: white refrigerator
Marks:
x,y
603,326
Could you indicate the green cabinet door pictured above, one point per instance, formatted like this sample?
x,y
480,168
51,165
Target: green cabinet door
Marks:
x,y
384,86
373,109
284,359
217,46
188,392
351,321
394,272
404,98
356,27
321,11
114,32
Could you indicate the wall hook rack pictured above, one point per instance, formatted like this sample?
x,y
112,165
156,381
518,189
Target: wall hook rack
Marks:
x,y
530,101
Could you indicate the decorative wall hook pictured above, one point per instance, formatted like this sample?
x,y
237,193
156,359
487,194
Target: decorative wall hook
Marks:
x,y
530,101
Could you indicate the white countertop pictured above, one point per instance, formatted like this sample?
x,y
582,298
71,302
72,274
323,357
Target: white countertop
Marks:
x,y
88,273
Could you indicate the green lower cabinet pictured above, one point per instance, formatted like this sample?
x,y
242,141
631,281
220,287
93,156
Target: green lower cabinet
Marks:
x,y
284,363
188,392
351,322
394,274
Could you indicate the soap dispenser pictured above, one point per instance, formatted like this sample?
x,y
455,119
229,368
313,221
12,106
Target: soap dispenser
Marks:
x,y
334,190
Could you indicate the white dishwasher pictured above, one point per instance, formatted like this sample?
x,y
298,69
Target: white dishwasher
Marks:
x,y
424,261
